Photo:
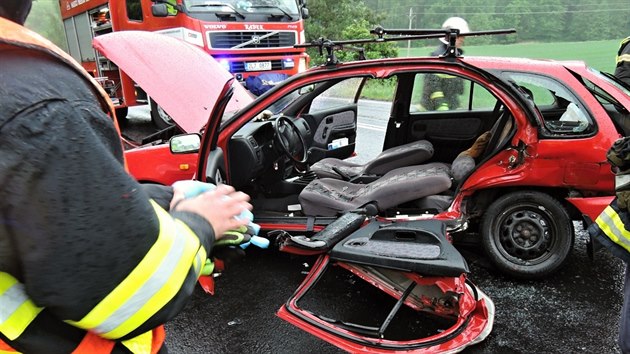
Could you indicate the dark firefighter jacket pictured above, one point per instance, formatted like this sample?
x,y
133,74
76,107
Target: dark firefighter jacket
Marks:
x,y
441,91
84,252
612,226
622,70
612,230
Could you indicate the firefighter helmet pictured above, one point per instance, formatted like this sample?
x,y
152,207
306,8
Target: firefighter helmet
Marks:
x,y
458,23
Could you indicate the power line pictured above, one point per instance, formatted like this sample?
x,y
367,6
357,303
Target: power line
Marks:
x,y
528,12
501,5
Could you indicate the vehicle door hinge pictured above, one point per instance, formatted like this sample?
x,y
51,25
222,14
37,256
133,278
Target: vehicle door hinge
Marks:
x,y
521,154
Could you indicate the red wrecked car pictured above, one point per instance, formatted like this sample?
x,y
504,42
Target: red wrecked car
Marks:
x,y
517,158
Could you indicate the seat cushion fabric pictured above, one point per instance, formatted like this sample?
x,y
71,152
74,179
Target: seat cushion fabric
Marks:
x,y
328,197
461,166
324,168
413,153
409,154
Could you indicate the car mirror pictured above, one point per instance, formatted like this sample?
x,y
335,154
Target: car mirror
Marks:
x,y
185,144
159,10
306,89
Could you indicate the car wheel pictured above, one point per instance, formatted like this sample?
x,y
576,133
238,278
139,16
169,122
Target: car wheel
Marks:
x,y
160,118
527,235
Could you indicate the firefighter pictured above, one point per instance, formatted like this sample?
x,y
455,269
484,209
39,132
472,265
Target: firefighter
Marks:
x,y
89,262
622,70
612,228
441,91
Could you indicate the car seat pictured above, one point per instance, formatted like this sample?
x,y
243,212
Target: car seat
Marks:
x,y
329,196
413,153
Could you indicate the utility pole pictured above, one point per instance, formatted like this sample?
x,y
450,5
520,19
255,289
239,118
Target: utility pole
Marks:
x,y
411,17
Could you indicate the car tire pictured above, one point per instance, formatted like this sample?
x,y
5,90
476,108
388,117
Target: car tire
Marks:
x,y
159,117
527,235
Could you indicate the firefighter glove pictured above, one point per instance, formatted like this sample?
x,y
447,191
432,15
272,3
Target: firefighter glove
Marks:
x,y
623,199
619,154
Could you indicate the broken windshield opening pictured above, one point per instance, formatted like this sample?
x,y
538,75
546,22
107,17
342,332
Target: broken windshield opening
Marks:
x,y
224,7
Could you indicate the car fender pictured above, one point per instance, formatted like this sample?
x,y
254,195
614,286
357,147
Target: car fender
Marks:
x,y
591,207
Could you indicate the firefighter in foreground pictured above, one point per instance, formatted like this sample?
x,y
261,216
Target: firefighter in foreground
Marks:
x,y
612,227
89,260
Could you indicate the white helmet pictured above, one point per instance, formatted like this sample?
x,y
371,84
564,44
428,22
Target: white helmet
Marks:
x,y
458,23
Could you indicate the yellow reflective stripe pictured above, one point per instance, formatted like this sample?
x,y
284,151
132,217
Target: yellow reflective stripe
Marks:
x,y
200,260
17,311
140,344
623,57
150,286
436,95
611,224
445,76
9,352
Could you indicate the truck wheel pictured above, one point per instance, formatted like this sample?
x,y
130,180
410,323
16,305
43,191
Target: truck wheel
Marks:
x,y
527,235
160,118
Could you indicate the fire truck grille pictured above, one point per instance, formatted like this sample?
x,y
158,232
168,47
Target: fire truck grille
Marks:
x,y
228,40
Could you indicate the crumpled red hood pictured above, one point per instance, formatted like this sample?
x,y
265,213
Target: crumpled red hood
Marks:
x,y
183,79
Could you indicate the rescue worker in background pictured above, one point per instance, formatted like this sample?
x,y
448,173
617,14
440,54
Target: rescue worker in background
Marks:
x,y
171,7
612,227
89,262
103,17
622,70
441,91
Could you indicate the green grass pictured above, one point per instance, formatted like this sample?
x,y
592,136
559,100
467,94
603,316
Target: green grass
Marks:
x,y
598,54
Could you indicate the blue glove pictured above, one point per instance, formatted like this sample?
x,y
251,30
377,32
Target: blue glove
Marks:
x,y
194,188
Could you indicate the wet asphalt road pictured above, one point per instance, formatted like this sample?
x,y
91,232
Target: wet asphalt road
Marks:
x,y
573,311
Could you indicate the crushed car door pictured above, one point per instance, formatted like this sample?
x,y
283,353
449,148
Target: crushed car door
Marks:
x,y
387,288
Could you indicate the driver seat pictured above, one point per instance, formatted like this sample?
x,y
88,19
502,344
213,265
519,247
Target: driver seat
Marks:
x,y
413,153
329,197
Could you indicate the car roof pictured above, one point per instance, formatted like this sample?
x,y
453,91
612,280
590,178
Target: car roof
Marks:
x,y
482,62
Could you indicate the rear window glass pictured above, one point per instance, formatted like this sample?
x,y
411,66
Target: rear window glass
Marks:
x,y
562,112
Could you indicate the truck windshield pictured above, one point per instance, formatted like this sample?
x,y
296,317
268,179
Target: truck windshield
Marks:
x,y
241,8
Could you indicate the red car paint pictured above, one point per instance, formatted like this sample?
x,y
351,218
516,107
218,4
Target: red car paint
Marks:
x,y
544,173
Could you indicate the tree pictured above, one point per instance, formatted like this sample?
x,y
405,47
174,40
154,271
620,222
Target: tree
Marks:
x,y
344,19
45,19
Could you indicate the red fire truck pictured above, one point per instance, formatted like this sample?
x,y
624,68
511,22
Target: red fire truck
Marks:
x,y
248,38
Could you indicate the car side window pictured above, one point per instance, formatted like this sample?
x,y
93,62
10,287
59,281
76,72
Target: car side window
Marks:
x,y
134,10
438,91
340,94
562,112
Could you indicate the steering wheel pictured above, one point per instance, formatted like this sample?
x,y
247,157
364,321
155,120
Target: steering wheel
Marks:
x,y
290,139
